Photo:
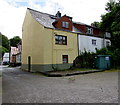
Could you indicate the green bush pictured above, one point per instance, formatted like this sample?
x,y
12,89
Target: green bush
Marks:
x,y
86,59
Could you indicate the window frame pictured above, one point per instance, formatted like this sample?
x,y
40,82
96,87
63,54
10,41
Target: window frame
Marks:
x,y
89,30
63,59
62,40
107,43
65,24
94,42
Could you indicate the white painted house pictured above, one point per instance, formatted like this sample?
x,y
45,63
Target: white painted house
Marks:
x,y
91,38
91,43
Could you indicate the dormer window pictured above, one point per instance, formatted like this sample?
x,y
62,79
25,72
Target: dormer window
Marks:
x,y
108,35
65,24
89,30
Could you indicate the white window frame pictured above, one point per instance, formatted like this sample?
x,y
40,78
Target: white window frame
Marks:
x,y
89,30
94,42
60,40
107,43
65,24
107,34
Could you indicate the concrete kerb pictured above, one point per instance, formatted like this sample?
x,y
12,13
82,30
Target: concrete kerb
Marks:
x,y
53,74
70,74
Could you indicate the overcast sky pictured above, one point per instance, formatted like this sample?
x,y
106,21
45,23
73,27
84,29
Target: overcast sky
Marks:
x,y
12,12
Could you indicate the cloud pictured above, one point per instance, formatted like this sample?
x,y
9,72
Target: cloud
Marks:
x,y
13,12
85,11
11,19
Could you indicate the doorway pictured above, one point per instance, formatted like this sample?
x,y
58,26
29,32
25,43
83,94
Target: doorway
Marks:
x,y
29,63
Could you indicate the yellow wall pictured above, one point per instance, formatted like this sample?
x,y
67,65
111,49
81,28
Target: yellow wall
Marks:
x,y
39,43
32,40
55,56
71,49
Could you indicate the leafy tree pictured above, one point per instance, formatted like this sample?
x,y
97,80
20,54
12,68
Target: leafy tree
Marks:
x,y
110,5
4,41
14,41
2,50
96,24
111,22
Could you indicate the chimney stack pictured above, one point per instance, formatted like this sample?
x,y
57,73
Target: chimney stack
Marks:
x,y
58,15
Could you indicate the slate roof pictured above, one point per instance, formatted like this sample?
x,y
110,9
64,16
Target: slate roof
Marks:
x,y
43,18
47,19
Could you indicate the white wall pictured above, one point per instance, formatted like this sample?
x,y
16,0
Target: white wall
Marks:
x,y
18,58
85,43
6,57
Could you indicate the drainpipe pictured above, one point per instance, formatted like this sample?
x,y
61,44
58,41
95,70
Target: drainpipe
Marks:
x,y
78,43
104,41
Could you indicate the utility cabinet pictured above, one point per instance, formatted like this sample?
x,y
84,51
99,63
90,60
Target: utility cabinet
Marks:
x,y
102,62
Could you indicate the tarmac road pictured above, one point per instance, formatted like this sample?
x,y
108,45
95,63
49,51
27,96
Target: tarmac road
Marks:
x,y
24,87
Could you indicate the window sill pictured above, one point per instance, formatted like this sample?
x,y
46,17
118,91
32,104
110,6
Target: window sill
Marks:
x,y
60,44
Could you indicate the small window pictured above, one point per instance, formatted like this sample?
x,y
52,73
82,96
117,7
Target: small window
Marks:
x,y
108,35
65,24
93,42
61,40
89,30
107,43
65,58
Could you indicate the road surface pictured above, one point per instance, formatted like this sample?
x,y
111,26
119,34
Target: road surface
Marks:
x,y
25,87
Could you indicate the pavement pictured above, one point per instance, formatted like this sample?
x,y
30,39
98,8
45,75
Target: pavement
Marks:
x,y
24,87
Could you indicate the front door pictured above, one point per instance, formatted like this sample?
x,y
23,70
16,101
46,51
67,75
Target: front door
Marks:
x,y
29,63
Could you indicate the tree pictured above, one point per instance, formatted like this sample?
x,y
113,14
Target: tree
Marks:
x,y
4,41
110,5
4,44
2,50
14,41
111,22
96,24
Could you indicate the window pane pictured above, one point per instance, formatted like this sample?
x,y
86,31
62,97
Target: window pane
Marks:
x,y
107,43
56,39
67,24
91,31
60,39
64,40
93,42
63,24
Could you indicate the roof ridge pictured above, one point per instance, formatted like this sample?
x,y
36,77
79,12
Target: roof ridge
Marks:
x,y
84,24
40,12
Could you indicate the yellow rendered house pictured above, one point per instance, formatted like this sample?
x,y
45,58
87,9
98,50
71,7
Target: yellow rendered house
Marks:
x,y
48,42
